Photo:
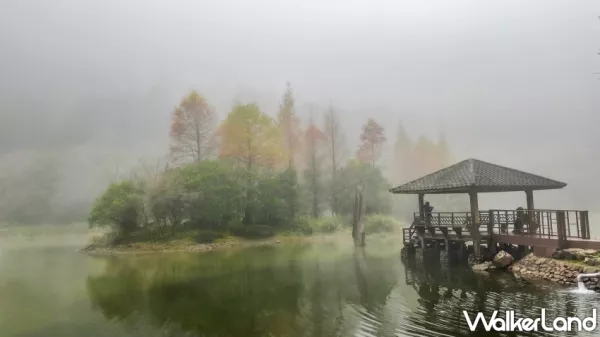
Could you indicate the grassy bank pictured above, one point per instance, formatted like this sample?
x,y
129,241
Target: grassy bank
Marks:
x,y
188,244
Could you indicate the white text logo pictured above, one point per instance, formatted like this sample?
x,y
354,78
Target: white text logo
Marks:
x,y
511,323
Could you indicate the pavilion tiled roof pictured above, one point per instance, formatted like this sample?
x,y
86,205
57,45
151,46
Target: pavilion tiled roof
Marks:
x,y
474,175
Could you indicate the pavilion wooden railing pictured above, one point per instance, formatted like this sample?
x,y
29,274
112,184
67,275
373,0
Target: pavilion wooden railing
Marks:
x,y
558,224
541,223
443,221
449,219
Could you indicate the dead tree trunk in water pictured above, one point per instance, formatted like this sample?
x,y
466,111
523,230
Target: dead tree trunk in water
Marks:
x,y
361,279
358,233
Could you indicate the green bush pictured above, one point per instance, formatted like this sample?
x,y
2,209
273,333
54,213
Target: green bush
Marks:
x,y
119,208
208,236
379,223
304,225
210,192
308,225
253,231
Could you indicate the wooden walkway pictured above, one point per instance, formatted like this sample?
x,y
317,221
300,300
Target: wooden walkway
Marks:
x,y
546,230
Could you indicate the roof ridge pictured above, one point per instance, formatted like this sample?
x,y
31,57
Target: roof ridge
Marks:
x,y
474,173
516,170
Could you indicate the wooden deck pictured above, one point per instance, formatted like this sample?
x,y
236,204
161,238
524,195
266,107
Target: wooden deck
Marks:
x,y
547,229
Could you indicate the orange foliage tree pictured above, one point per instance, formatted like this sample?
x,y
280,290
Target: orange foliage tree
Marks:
x,y
251,138
192,127
372,139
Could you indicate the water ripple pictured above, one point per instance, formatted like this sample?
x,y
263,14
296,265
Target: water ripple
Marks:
x,y
261,293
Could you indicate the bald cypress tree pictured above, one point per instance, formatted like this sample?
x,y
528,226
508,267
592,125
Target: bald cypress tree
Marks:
x,y
290,126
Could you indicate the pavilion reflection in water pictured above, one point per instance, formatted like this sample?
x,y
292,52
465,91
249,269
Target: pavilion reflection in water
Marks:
x,y
443,295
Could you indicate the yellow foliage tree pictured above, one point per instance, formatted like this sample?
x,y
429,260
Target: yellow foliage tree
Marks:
x,y
251,138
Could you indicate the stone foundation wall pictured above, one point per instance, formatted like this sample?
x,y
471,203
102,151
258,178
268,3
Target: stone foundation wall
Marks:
x,y
557,271
409,251
426,253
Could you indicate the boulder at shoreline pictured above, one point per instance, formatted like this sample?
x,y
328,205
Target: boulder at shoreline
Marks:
x,y
502,259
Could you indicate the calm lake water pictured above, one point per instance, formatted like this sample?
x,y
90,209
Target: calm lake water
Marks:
x,y
287,290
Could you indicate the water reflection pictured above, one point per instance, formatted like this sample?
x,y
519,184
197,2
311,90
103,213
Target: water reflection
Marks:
x,y
261,292
303,291
445,293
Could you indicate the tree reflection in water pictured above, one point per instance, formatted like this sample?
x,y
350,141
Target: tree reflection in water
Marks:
x,y
257,292
304,291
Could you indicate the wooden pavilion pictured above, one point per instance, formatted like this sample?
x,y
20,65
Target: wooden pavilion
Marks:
x,y
542,230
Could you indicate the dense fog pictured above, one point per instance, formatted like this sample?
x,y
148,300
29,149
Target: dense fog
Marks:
x,y
87,88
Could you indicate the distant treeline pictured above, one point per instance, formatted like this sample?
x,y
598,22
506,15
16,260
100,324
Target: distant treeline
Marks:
x,y
56,153
414,159
39,188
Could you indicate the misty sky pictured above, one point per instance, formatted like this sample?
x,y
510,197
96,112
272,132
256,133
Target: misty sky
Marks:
x,y
510,82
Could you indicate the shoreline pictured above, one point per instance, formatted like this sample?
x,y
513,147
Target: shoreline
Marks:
x,y
226,244
561,269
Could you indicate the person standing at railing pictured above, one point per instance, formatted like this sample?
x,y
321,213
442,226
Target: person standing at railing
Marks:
x,y
519,221
530,220
427,210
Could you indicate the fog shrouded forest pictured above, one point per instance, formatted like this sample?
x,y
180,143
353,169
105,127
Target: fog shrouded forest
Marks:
x,y
89,90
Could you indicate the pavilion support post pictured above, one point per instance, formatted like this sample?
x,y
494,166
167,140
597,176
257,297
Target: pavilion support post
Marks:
x,y
474,225
490,231
561,228
448,244
421,204
529,195
584,224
